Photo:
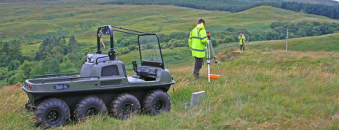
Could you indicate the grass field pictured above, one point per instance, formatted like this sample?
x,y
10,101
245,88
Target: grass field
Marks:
x,y
317,43
259,89
262,88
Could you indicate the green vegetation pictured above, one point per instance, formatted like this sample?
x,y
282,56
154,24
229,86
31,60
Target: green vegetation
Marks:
x,y
30,27
318,43
237,6
259,90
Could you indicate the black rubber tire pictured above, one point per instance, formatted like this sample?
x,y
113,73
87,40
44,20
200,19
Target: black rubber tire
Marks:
x,y
157,102
124,106
89,106
51,107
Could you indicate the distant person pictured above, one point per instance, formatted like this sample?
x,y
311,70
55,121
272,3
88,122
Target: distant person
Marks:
x,y
242,39
197,42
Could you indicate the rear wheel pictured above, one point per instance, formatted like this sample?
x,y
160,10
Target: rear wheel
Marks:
x,y
157,102
89,106
124,106
51,113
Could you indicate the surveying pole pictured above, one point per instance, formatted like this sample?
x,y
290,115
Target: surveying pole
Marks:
x,y
243,43
209,48
5,81
208,55
243,29
287,37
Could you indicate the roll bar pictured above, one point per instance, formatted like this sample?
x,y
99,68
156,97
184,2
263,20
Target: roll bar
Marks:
x,y
108,30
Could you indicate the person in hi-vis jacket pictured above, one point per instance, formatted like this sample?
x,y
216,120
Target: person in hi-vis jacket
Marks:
x,y
197,42
242,39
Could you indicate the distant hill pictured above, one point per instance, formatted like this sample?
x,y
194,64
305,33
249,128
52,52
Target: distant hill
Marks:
x,y
9,1
329,2
28,24
328,10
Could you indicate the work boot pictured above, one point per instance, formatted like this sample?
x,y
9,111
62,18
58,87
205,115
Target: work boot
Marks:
x,y
196,75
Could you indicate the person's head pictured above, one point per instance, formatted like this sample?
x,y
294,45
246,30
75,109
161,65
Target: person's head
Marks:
x,y
201,21
240,34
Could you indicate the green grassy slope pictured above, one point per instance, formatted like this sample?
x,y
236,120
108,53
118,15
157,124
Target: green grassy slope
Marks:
x,y
30,22
329,2
258,89
317,43
97,1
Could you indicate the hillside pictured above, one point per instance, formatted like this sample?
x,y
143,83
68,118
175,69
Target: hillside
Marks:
x,y
258,90
264,87
318,43
258,18
32,23
250,1
329,2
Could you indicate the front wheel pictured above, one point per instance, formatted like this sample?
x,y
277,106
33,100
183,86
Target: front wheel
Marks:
x,y
51,113
157,102
124,106
89,106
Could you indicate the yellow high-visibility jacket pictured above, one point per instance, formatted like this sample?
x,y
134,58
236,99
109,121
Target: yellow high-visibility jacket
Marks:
x,y
242,38
198,41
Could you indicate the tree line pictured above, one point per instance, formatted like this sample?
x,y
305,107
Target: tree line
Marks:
x,y
277,31
223,5
54,55
58,55
237,6
317,9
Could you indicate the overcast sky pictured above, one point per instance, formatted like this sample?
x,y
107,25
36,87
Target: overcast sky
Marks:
x,y
336,0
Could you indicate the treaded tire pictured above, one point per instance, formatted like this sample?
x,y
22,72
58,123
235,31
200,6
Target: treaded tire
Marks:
x,y
89,106
124,106
51,113
157,102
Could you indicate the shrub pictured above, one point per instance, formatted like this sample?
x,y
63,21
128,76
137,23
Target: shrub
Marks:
x,y
229,39
125,50
215,43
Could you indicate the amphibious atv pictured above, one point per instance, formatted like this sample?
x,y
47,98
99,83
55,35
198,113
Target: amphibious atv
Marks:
x,y
103,85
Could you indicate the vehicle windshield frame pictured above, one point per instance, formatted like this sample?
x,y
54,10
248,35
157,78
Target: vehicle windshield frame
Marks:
x,y
108,30
151,63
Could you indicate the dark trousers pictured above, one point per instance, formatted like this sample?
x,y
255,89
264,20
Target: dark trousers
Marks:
x,y
197,66
241,47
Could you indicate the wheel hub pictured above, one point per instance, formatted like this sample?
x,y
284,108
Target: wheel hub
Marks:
x,y
159,104
127,108
92,111
53,117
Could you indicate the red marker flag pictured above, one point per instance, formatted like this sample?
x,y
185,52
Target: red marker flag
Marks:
x,y
103,42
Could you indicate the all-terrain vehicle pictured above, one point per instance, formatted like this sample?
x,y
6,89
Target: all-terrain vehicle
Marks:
x,y
103,85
